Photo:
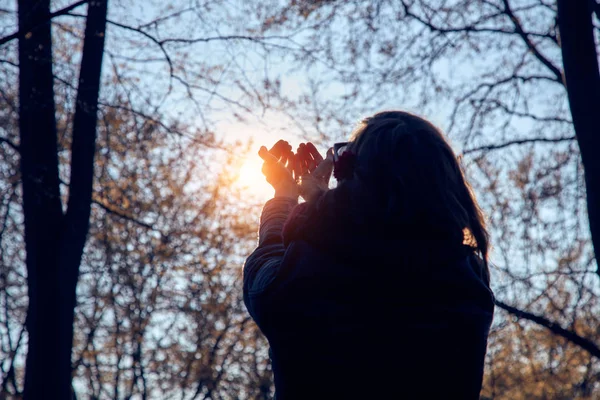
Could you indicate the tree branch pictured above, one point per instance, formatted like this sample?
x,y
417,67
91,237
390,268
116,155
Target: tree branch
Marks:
x,y
10,143
517,142
530,45
19,34
123,215
555,328
472,27
529,115
84,123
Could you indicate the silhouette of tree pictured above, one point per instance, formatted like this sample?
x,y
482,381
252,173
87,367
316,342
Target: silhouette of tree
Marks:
x,y
53,259
582,78
159,311
159,275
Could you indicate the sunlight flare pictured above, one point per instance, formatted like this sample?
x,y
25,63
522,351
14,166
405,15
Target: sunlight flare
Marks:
x,y
251,180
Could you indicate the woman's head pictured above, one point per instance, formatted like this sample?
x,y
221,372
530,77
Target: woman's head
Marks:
x,y
408,163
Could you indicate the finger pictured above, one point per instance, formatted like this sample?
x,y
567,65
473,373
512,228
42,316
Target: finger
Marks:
x,y
299,167
329,154
303,167
311,164
300,151
279,148
324,170
312,156
285,156
297,170
288,149
312,150
301,160
291,162
306,159
267,156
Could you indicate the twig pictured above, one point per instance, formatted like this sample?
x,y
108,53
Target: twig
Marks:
x,y
62,11
519,141
8,142
123,215
554,327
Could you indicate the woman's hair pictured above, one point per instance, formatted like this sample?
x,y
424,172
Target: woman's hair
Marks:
x,y
417,179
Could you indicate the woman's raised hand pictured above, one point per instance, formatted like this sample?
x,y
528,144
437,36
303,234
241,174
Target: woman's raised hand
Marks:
x,y
283,169
278,168
314,170
307,159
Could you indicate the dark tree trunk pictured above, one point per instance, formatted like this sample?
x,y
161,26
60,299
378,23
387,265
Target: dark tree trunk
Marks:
x,y
582,79
83,148
41,200
54,240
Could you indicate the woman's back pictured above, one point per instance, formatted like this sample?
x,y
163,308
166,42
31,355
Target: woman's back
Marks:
x,y
354,312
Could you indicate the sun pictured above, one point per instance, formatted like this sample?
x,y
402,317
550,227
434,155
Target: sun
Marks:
x,y
251,180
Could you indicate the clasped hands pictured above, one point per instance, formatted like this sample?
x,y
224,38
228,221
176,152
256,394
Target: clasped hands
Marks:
x,y
304,173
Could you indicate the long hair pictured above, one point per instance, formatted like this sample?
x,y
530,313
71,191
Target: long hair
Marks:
x,y
418,179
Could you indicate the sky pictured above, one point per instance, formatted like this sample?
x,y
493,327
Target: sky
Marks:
x,y
264,127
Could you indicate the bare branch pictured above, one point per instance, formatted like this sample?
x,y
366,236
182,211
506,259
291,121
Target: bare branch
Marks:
x,y
517,142
123,215
84,133
521,114
9,143
62,11
530,45
554,327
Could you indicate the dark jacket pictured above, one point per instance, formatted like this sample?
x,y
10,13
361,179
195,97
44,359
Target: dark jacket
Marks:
x,y
357,308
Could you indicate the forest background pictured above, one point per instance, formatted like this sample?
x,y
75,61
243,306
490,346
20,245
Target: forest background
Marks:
x,y
144,118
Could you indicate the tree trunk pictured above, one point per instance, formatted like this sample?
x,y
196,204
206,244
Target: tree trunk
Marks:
x,y
83,148
54,241
42,207
582,79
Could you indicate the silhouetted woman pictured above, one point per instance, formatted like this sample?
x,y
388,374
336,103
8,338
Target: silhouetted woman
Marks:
x,y
378,288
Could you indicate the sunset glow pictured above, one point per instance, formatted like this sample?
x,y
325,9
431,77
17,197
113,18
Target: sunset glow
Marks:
x,y
251,180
